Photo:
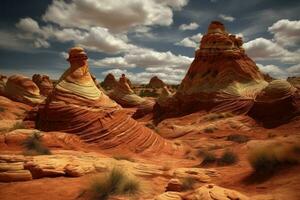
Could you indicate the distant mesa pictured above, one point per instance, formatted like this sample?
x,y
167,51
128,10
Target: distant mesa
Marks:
x,y
22,89
155,82
44,83
222,78
87,112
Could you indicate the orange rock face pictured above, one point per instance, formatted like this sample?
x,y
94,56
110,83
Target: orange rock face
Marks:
x,y
155,82
22,89
78,106
44,83
222,78
125,96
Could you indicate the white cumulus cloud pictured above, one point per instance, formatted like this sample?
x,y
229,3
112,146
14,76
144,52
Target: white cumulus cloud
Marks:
x,y
226,17
192,41
191,26
116,15
286,32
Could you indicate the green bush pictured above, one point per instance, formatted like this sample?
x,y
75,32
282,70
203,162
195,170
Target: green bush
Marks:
x,y
34,146
115,183
228,158
238,138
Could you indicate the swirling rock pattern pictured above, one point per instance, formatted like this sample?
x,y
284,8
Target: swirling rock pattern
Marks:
x,y
280,99
78,106
22,89
125,96
222,78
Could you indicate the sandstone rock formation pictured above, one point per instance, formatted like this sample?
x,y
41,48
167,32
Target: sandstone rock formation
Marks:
x,y
22,89
11,110
205,192
44,83
78,106
155,82
276,104
222,78
109,82
125,96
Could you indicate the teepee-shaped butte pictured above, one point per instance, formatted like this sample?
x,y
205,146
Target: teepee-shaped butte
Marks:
x,y
222,67
77,106
222,78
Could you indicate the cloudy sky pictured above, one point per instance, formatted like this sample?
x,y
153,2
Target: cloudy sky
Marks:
x,y
143,38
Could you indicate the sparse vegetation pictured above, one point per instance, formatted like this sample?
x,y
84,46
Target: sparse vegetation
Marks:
x,y
238,138
33,145
228,158
268,159
208,157
123,157
115,183
216,116
188,183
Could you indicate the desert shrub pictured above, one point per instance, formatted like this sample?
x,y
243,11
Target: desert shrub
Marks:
x,y
228,158
123,157
208,157
268,159
188,183
34,146
238,138
216,116
115,183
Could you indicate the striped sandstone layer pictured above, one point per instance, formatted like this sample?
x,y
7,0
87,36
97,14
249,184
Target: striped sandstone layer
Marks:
x,y
78,106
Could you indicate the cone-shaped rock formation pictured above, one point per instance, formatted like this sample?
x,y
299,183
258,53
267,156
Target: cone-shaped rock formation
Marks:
x,y
109,82
125,96
222,78
155,82
77,106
